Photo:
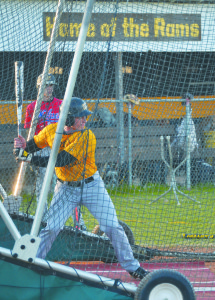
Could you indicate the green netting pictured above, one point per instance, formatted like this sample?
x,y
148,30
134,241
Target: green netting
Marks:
x,y
71,245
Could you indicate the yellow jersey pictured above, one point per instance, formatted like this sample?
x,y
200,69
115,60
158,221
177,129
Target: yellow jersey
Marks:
x,y
80,144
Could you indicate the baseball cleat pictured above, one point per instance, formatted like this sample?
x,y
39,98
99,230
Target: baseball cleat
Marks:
x,y
83,227
140,273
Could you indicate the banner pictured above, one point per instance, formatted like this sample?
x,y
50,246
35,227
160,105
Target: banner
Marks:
x,y
127,27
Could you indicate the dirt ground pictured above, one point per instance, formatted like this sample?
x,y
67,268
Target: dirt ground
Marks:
x,y
208,264
211,266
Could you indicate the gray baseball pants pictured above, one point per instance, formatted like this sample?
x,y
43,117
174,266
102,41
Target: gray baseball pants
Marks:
x,y
40,179
95,197
41,175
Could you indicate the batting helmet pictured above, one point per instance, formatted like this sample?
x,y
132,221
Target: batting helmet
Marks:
x,y
132,98
78,108
50,80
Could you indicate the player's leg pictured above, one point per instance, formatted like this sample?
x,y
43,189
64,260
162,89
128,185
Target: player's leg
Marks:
x,y
39,183
97,200
41,175
63,203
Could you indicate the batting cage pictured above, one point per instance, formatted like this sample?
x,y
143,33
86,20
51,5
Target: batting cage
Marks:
x,y
107,123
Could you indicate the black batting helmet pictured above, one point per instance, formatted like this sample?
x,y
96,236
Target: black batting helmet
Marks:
x,y
78,108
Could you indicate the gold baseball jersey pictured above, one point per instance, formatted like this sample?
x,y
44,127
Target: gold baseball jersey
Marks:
x,y
80,144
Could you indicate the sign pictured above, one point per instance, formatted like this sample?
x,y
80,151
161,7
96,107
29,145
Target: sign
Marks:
x,y
126,27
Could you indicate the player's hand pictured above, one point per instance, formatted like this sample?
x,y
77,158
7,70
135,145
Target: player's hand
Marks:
x,y
19,142
21,155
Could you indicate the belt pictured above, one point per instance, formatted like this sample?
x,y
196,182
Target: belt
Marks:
x,y
77,183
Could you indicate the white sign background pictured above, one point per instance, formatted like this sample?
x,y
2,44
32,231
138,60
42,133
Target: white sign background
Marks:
x,y
21,26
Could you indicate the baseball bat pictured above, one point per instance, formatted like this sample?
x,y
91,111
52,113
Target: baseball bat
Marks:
x,y
198,236
19,89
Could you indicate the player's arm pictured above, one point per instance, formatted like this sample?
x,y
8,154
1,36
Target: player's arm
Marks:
x,y
63,159
22,149
33,145
29,146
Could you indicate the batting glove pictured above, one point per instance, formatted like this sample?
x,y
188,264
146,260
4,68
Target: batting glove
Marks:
x,y
21,155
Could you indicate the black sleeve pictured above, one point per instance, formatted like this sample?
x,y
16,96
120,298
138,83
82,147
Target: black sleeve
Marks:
x,y
40,161
31,146
63,159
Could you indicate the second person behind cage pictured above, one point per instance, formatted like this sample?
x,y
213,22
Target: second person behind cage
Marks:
x,y
79,183
49,114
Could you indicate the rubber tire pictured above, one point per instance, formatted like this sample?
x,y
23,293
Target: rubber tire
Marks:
x,y
152,281
126,228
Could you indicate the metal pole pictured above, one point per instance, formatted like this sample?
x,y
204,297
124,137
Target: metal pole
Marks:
x,y
129,146
172,173
41,92
119,106
63,115
188,121
130,288
9,222
3,192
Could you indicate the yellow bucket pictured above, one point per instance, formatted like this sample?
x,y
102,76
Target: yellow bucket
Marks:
x,y
209,143
209,139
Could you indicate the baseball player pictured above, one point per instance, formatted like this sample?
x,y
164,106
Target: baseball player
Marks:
x,y
49,113
78,183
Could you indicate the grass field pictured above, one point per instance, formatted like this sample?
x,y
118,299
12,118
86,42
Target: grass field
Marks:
x,y
162,223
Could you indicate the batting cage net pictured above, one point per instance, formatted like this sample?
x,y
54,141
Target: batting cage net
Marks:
x,y
114,165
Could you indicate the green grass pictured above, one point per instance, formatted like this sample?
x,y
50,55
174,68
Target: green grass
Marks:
x,y
162,223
